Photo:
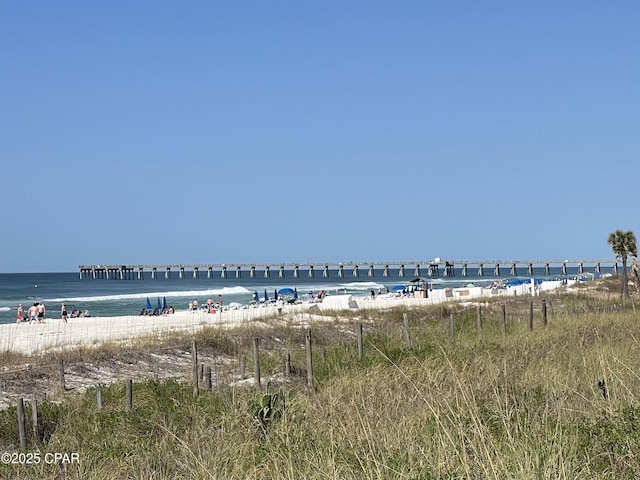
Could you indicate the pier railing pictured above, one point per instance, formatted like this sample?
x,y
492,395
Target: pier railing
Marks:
x,y
396,269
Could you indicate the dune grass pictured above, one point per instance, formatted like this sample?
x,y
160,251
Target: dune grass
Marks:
x,y
558,402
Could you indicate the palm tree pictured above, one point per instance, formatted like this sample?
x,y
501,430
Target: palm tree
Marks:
x,y
623,244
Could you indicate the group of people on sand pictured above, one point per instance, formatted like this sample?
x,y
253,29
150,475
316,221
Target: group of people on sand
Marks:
x,y
38,311
35,313
210,306
75,312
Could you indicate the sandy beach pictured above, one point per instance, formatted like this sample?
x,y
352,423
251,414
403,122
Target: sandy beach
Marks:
x,y
54,334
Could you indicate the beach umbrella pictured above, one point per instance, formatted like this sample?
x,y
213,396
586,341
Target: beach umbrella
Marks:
x,y
397,288
164,303
148,304
286,291
295,293
275,294
266,297
159,304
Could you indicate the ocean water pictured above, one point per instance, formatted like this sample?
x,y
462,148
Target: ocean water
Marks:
x,y
111,297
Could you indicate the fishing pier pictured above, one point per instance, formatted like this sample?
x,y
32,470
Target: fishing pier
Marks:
x,y
433,269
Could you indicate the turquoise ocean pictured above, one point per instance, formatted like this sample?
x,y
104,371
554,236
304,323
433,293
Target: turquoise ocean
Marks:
x,y
115,297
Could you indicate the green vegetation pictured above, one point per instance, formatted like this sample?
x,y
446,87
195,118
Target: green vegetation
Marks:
x,y
623,245
559,402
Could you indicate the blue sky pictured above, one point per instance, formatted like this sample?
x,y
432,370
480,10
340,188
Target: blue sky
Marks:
x,y
238,132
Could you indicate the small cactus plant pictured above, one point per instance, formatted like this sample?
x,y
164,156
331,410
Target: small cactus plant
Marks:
x,y
271,406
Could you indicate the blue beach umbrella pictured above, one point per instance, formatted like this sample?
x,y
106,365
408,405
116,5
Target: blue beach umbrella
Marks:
x,y
266,297
148,304
164,303
295,293
275,294
286,291
159,304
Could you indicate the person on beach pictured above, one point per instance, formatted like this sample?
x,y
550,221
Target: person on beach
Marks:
x,y
42,310
33,313
20,314
63,313
280,303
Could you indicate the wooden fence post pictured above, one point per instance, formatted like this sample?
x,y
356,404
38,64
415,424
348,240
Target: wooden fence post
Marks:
x,y
61,373
479,320
243,367
544,311
194,367
99,397
22,434
207,378
256,362
360,341
309,358
452,326
407,333
504,319
129,394
531,315
34,420
287,364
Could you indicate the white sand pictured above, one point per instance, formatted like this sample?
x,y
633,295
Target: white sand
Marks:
x,y
54,334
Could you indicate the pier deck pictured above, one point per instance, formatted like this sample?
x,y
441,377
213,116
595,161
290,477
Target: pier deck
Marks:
x,y
431,269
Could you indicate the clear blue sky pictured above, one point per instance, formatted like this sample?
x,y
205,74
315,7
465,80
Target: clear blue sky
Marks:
x,y
287,131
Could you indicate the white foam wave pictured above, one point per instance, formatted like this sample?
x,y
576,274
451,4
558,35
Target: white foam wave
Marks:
x,y
5,309
464,280
360,285
239,290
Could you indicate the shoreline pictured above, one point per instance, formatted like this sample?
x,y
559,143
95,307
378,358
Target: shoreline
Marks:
x,y
54,335
111,298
